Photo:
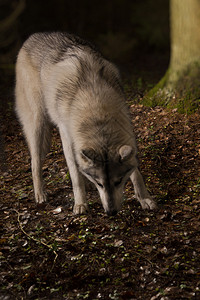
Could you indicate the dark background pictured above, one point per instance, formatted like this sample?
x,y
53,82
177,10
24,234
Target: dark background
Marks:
x,y
134,34
121,28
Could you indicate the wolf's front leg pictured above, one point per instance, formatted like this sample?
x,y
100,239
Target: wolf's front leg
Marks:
x,y
78,184
80,205
40,196
141,192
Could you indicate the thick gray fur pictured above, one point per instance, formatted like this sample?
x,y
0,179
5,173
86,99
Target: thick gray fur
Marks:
x,y
63,80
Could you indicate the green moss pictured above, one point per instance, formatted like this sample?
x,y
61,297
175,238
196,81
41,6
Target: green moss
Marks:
x,y
183,94
156,95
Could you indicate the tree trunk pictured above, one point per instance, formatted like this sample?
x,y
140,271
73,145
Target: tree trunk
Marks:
x,y
180,87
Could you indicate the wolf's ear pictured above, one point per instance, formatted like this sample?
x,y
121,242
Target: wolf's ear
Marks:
x,y
125,152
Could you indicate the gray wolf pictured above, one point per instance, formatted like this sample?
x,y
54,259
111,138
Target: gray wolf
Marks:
x,y
62,79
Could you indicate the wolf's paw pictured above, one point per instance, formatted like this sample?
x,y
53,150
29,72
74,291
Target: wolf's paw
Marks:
x,y
40,198
148,203
80,209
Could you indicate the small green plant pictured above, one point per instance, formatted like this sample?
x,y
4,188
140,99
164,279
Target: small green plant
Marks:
x,y
114,296
67,177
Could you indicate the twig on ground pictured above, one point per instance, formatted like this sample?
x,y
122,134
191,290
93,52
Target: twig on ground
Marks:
x,y
36,240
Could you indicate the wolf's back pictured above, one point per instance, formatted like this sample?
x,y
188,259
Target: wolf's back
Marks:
x,y
55,47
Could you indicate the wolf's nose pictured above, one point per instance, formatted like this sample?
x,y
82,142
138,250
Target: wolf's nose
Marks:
x,y
111,212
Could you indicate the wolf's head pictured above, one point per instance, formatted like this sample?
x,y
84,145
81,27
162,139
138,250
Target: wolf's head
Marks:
x,y
109,172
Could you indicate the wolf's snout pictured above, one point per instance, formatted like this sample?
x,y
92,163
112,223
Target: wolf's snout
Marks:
x,y
111,212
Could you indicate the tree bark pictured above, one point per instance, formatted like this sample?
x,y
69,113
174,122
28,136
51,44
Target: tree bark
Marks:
x,y
185,35
180,86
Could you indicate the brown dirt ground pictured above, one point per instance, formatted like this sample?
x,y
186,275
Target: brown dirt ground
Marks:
x,y
48,253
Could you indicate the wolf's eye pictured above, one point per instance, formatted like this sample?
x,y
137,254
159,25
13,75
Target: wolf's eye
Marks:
x,y
118,182
99,184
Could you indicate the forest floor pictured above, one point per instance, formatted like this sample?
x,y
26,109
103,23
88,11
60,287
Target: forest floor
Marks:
x,y
46,252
